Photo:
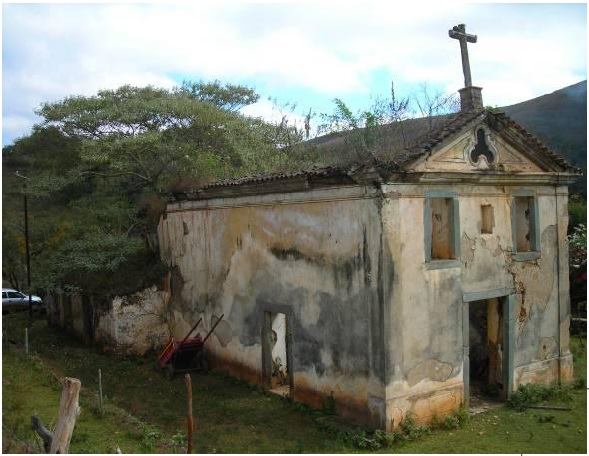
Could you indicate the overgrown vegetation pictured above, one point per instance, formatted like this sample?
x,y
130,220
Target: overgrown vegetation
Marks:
x,y
578,276
577,210
99,169
534,393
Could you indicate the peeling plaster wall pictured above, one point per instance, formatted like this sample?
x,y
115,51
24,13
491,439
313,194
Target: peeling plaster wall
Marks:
x,y
135,323
132,324
372,323
425,371
315,256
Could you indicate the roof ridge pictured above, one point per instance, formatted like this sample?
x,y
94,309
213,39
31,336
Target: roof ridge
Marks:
x,y
501,115
397,158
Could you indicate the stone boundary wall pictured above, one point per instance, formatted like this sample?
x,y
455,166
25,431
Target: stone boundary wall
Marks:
x,y
132,324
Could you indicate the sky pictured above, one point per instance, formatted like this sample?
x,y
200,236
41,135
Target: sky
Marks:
x,y
303,54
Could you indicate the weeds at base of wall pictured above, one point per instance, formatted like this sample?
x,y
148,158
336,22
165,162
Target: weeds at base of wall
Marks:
x,y
534,393
409,430
453,421
326,420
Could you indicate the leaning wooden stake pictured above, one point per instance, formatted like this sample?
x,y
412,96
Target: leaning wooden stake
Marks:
x,y
190,420
68,412
43,432
27,341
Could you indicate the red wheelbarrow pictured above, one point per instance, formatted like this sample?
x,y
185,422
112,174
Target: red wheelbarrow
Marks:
x,y
187,355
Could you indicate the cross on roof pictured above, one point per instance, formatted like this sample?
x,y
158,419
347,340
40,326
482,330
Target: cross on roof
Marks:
x,y
458,32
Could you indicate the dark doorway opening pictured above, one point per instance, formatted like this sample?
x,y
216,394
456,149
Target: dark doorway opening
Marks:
x,y
277,354
486,345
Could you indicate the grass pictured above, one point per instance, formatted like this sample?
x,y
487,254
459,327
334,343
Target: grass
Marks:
x,y
29,388
144,412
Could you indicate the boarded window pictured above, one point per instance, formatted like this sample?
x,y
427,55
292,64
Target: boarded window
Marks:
x,y
442,223
487,219
523,219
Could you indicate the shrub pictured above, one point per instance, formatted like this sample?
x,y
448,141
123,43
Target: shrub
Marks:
x,y
411,430
533,393
178,442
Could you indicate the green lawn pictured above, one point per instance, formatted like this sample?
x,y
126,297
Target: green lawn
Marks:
x,y
146,413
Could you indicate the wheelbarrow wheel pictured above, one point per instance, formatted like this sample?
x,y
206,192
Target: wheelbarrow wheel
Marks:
x,y
170,371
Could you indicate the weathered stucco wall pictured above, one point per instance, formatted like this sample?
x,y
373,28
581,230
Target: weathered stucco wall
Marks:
x,y
372,323
315,256
136,323
133,324
425,372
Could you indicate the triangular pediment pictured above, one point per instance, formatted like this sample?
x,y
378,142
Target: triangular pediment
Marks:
x,y
476,148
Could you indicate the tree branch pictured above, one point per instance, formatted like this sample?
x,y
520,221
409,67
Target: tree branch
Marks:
x,y
43,432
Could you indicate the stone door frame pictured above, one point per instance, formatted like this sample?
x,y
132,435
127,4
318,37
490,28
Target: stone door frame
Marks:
x,y
506,297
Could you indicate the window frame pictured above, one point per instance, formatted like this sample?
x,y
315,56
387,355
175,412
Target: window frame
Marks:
x,y
535,243
430,262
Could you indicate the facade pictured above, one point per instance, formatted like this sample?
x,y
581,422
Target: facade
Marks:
x,y
401,284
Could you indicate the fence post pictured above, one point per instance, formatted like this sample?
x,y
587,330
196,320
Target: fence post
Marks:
x,y
68,412
100,388
190,420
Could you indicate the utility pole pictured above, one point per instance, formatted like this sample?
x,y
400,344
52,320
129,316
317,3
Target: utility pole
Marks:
x,y
27,250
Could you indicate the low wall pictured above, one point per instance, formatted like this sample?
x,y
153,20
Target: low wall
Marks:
x,y
133,324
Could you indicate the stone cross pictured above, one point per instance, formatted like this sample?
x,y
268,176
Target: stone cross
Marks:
x,y
458,32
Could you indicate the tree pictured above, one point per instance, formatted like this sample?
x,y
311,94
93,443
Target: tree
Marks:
x,y
101,168
370,131
434,103
229,97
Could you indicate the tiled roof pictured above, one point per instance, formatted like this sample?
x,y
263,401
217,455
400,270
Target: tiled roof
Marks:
x,y
262,178
397,145
536,143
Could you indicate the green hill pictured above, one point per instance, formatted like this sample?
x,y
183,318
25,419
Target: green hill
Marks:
x,y
560,120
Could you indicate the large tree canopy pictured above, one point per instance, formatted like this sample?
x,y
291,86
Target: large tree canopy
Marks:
x,y
99,169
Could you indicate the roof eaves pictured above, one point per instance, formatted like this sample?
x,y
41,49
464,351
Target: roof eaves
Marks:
x,y
537,144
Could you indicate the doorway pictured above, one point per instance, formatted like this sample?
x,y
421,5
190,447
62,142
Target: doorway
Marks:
x,y
488,334
485,350
277,354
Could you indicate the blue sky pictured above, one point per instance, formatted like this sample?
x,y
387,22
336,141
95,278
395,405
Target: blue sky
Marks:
x,y
304,53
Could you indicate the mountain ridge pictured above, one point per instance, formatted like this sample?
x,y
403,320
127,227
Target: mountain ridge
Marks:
x,y
559,119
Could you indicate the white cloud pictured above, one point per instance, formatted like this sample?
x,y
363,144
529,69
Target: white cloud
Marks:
x,y
52,51
274,113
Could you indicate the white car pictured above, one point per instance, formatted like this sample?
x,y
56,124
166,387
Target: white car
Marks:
x,y
14,298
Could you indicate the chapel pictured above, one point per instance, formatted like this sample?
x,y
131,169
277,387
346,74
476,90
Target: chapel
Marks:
x,y
418,280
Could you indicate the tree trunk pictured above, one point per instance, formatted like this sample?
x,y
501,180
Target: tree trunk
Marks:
x,y
68,412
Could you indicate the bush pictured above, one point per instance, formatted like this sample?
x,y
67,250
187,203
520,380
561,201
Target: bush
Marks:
x,y
178,442
533,393
411,430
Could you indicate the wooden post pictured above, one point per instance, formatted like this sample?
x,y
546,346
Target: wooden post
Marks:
x,y
190,420
27,341
66,419
100,389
